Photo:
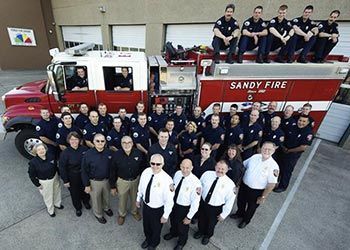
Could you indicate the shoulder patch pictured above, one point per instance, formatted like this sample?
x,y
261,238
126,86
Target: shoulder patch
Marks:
x,y
37,128
320,26
218,22
58,136
236,23
133,119
171,187
276,172
108,138
149,118
289,24
199,190
263,24
60,125
84,132
309,137
295,20
272,21
247,23
135,135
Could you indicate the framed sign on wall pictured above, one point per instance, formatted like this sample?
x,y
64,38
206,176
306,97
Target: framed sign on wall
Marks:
x,y
21,37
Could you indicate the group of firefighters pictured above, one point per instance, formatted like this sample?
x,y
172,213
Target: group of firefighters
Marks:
x,y
288,36
195,163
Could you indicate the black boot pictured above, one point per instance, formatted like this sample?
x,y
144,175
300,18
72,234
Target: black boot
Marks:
x,y
266,59
259,59
239,58
217,58
229,58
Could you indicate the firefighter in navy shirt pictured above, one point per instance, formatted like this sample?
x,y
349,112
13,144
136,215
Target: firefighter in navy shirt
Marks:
x,y
188,141
288,121
83,118
254,32
104,118
305,110
79,81
172,134
125,120
226,32
305,35
124,82
197,118
296,142
280,32
179,118
216,111
234,134
140,107
274,133
93,128
140,134
252,133
214,134
327,37
46,129
245,116
116,134
227,118
64,129
269,113
156,121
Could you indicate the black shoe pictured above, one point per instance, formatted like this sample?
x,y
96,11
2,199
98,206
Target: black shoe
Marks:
x,y
87,205
78,213
52,215
178,247
229,59
109,212
102,220
240,58
302,59
289,60
197,235
168,236
235,216
144,244
217,58
60,207
279,60
151,248
279,190
259,59
243,224
205,240
266,59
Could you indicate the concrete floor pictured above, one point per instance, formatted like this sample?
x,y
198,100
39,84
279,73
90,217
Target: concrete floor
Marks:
x,y
317,218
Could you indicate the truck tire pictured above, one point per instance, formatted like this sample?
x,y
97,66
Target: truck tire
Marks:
x,y
25,141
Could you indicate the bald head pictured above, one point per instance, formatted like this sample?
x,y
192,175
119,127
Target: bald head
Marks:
x,y
275,122
186,167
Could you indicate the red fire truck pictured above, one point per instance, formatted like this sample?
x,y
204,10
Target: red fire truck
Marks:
x,y
189,80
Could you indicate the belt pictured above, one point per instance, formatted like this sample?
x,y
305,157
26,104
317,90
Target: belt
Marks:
x,y
128,179
99,179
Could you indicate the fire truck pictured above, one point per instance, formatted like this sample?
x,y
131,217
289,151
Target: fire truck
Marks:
x,y
188,78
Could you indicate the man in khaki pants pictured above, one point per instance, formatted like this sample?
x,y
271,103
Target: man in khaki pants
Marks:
x,y
95,168
127,165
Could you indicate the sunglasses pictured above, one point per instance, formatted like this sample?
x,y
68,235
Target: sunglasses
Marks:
x,y
205,149
156,164
100,141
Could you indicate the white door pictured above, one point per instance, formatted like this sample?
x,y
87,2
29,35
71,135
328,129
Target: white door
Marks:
x,y
129,37
75,35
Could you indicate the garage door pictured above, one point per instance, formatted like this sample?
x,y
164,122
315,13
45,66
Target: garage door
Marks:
x,y
129,37
75,35
189,35
337,119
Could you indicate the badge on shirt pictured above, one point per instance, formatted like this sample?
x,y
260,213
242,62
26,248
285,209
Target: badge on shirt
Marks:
x,y
223,186
84,132
136,158
52,162
57,136
59,125
199,190
37,128
320,26
109,138
299,135
263,24
272,21
135,135
187,188
309,137
171,187
149,118
133,119
109,157
276,172
247,23
171,152
252,131
229,28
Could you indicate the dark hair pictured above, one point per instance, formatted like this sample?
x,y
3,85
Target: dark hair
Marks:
x,y
309,7
304,116
335,11
283,7
216,105
142,114
307,105
163,130
117,118
230,6
234,106
73,134
258,7
170,120
65,114
238,154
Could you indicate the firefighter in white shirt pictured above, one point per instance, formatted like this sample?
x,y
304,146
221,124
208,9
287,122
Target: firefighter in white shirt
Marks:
x,y
259,180
156,190
218,196
186,203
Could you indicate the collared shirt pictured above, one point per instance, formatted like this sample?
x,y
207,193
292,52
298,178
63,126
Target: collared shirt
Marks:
x,y
169,154
48,128
133,120
187,140
40,169
173,138
223,193
276,136
161,193
180,121
70,161
305,26
252,26
235,170
126,166
259,173
157,121
198,169
124,82
106,121
234,135
207,120
141,135
297,137
91,130
267,118
125,123
288,124
81,121
251,133
198,121
282,27
213,135
114,137
245,118
62,133
189,193
324,26
95,165
77,81
226,27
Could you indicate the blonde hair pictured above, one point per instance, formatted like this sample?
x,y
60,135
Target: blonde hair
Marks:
x,y
194,125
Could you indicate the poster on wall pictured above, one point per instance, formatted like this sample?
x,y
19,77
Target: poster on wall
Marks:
x,y
21,37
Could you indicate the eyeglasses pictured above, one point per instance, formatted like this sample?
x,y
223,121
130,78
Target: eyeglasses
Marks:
x,y
156,164
100,141
205,149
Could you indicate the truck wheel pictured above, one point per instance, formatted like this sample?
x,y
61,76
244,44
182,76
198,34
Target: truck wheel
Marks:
x,y
25,141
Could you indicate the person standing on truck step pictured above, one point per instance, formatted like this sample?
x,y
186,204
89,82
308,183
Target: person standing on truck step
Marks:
x,y
127,166
70,171
179,118
93,128
140,108
156,121
188,190
156,191
95,171
115,135
254,32
104,118
124,81
46,130
79,81
226,32
140,134
305,35
43,173
167,150
83,118
64,128
259,180
280,33
328,37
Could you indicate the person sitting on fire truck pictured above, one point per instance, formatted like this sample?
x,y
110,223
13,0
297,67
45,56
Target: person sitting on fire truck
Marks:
x,y
254,34
305,35
280,32
327,37
226,32
123,81
79,81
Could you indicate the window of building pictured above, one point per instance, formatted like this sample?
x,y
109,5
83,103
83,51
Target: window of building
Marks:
x,y
129,37
75,35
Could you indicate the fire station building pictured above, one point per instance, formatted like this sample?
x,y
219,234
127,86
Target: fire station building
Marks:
x,y
31,28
